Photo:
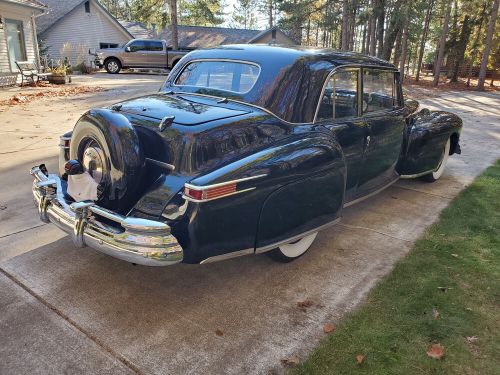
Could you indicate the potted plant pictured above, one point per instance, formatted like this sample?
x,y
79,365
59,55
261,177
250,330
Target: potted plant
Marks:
x,y
58,74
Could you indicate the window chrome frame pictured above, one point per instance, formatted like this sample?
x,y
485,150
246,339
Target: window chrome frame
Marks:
x,y
217,60
360,68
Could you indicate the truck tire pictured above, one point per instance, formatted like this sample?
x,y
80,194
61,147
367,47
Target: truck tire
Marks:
x,y
112,66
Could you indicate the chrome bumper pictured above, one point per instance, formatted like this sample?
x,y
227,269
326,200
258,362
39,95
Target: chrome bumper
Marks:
x,y
135,240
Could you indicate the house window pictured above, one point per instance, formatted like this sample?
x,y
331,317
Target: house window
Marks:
x,y
87,7
15,42
108,45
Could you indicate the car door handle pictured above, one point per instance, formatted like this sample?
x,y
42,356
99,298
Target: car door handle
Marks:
x,y
368,139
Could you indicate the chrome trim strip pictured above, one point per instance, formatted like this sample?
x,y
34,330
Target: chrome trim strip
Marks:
x,y
230,255
370,195
360,83
217,60
409,176
161,164
263,249
205,187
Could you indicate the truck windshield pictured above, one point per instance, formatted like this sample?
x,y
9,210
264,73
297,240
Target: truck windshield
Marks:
x,y
232,76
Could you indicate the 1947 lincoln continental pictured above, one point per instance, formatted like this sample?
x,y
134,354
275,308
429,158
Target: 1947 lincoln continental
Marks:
x,y
245,149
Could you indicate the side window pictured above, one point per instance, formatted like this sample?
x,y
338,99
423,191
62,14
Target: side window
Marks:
x,y
154,46
379,90
340,98
138,45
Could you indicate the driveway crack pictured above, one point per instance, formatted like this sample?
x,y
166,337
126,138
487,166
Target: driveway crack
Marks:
x,y
373,230
128,363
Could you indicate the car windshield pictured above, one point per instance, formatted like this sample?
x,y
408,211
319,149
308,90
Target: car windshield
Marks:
x,y
232,76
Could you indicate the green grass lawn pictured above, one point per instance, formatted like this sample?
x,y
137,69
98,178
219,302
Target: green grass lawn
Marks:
x,y
407,312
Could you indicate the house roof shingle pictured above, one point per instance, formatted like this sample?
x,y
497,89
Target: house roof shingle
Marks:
x,y
138,29
202,36
29,3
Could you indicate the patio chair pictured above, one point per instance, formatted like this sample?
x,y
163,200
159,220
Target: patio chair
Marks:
x,y
29,71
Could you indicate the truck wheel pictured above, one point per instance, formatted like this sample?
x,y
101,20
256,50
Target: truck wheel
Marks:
x,y
287,253
113,66
434,176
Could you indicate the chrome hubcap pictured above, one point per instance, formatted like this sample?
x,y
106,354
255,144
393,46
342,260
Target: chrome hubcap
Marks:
x,y
112,66
94,162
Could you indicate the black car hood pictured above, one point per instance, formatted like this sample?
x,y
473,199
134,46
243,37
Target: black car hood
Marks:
x,y
187,109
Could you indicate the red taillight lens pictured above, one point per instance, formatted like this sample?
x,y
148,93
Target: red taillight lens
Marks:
x,y
205,194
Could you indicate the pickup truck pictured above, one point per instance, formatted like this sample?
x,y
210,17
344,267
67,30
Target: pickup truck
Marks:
x,y
139,53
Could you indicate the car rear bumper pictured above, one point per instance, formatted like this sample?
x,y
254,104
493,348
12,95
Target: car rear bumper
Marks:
x,y
135,240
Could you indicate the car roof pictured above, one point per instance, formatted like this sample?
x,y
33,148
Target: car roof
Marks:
x,y
261,53
291,79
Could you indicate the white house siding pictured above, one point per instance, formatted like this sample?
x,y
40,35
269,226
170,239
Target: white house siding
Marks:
x,y
82,31
19,13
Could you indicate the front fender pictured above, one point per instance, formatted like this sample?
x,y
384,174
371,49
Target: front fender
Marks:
x,y
427,134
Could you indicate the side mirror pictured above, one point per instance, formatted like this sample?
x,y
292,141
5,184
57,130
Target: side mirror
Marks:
x,y
127,49
411,106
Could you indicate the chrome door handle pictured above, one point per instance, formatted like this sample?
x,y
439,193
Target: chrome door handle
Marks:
x,y
368,139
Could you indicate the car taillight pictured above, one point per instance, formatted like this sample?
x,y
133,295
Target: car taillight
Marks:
x,y
205,194
209,192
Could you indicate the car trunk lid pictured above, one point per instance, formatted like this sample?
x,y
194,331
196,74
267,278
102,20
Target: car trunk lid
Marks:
x,y
187,110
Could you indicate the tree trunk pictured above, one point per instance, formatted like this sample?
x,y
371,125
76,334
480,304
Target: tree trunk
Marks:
x,y
442,44
428,15
270,9
345,25
487,46
373,28
404,47
173,21
380,26
460,48
397,48
363,41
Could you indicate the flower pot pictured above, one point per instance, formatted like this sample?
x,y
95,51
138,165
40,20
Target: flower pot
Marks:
x,y
58,78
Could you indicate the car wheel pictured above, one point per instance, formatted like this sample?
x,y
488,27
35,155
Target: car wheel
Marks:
x,y
112,66
293,250
434,176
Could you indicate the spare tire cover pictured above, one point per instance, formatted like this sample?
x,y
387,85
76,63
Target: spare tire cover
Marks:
x,y
108,146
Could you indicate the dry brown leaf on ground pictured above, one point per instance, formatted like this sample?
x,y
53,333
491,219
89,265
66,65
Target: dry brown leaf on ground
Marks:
x,y
62,92
360,358
435,313
436,351
219,332
471,339
291,361
305,304
328,327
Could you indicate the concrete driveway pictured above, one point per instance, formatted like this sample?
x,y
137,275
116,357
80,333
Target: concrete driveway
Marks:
x,y
69,310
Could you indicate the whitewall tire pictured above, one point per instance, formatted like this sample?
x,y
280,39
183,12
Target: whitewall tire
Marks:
x,y
436,175
293,250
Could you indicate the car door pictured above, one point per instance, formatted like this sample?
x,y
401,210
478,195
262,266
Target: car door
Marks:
x,y
339,111
384,116
155,55
133,55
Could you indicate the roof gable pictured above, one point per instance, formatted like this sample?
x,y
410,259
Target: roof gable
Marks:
x,y
59,9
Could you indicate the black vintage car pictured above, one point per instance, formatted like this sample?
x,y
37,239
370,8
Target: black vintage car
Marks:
x,y
245,149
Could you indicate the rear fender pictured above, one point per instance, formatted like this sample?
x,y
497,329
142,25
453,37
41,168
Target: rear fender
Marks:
x,y
309,202
426,137
301,183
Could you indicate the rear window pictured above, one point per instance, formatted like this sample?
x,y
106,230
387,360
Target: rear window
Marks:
x,y
232,76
